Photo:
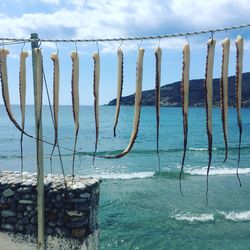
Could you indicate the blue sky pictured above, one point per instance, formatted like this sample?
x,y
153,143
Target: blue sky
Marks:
x,y
119,18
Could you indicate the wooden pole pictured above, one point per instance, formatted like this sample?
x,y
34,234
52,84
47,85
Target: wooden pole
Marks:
x,y
39,149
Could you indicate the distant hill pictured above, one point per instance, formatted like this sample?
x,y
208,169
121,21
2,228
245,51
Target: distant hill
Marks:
x,y
171,93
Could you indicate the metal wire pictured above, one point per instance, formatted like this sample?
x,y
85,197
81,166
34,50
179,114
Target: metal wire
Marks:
x,y
212,31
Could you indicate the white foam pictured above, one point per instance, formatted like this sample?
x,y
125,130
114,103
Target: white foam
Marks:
x,y
240,216
217,171
192,217
124,176
200,149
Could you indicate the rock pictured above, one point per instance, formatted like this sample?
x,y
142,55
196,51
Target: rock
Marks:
x,y
8,213
58,204
58,197
29,207
57,230
74,213
30,228
24,221
26,201
49,230
19,215
76,218
25,189
17,196
26,196
59,222
7,226
52,216
60,214
20,208
8,192
85,195
19,227
78,232
81,206
33,220
3,200
11,220
11,201
32,213
52,223
78,200
77,224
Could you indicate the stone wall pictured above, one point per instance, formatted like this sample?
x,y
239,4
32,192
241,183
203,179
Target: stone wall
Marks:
x,y
70,212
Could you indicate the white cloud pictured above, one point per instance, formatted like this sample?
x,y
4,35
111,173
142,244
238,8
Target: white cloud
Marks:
x,y
51,1
106,18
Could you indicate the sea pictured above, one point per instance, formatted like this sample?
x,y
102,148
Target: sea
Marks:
x,y
141,206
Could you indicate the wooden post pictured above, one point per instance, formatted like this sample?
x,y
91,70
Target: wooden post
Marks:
x,y
39,149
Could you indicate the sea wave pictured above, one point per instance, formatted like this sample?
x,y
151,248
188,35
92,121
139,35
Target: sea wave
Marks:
x,y
237,216
169,174
217,171
194,217
123,176
163,151
208,217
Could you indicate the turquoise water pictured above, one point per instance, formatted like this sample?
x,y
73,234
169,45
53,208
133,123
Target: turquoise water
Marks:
x,y
140,208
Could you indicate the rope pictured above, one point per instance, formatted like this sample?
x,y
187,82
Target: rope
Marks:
x,y
212,31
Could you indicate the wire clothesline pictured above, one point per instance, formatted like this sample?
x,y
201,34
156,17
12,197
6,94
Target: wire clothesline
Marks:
x,y
212,31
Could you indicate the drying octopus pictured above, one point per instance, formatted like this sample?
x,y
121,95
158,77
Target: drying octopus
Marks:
x,y
56,79
22,92
185,101
75,100
137,111
96,83
209,99
158,56
239,62
119,88
224,92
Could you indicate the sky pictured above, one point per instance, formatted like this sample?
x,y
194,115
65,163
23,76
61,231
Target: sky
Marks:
x,y
71,19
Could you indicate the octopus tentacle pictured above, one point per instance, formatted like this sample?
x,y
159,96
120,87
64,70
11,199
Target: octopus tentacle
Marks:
x,y
75,100
96,83
119,88
5,88
209,100
185,101
224,92
22,92
158,55
137,112
54,58
239,62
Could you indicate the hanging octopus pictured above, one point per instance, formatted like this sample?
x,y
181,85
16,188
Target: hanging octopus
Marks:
x,y
239,62
75,100
224,92
56,75
96,59
185,101
137,112
158,55
119,88
209,99
22,92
